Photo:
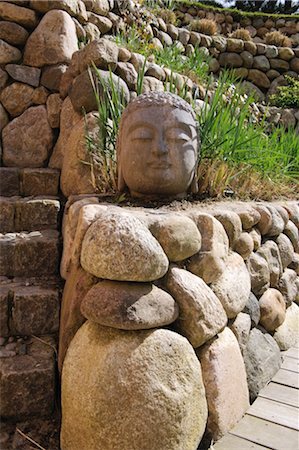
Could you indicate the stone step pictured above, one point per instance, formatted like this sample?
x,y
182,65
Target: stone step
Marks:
x,y
28,214
29,181
32,254
28,310
27,379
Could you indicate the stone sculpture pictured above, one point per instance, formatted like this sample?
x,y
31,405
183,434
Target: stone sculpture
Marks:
x,y
157,147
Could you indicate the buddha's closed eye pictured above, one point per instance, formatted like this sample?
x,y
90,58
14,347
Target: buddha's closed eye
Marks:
x,y
141,134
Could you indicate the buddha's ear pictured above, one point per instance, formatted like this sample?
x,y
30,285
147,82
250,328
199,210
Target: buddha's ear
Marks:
x,y
194,184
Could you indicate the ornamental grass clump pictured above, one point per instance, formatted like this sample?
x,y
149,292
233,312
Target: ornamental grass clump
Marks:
x,y
277,38
287,96
241,33
205,26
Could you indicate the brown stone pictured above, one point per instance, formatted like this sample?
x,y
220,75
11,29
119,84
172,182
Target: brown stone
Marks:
x,y
210,262
151,84
22,16
76,287
40,182
129,306
3,118
201,313
8,53
178,236
233,286
279,64
9,185
98,6
278,223
16,98
76,9
12,33
7,212
294,65
101,52
36,214
225,382
258,78
40,96
231,223
256,237
265,222
261,62
248,215
3,78
103,23
145,163
235,45
27,140
244,245
127,72
28,254
230,60
53,41
24,74
68,118
54,105
259,271
35,310
270,252
4,295
272,308
51,76
285,53
291,231
92,32
32,374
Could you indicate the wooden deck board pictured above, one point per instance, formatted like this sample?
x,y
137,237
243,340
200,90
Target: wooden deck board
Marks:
x,y
280,393
275,412
231,442
292,353
287,378
262,432
290,364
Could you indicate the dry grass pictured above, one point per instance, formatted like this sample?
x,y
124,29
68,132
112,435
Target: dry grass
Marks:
x,y
205,26
217,178
241,33
277,38
168,16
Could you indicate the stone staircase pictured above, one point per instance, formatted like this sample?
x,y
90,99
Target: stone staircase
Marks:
x,y
30,291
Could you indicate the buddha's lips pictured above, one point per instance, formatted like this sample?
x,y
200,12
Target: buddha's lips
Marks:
x,y
159,166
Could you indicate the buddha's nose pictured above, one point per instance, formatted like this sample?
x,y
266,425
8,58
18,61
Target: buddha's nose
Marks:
x,y
160,147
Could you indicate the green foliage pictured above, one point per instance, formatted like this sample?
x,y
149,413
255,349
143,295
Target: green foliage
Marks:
x,y
287,96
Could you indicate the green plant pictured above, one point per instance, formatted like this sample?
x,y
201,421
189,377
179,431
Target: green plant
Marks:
x,y
205,26
241,33
287,96
277,38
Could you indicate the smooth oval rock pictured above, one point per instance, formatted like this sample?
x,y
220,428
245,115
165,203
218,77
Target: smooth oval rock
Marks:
x,y
137,390
272,308
178,236
53,41
244,245
233,286
129,306
252,308
286,250
201,314
259,272
119,247
287,335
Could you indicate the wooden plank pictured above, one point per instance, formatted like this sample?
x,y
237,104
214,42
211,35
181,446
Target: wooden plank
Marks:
x,y
266,433
290,364
231,442
292,353
280,393
275,412
287,378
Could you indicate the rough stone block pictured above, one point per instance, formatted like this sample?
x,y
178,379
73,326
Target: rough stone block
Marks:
x,y
4,291
9,182
27,382
29,254
36,214
35,310
6,215
40,182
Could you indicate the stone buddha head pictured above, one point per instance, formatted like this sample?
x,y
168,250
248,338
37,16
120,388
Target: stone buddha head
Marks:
x,y
157,147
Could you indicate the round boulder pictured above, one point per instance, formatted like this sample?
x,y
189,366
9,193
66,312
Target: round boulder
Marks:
x,y
137,390
273,309
129,306
119,247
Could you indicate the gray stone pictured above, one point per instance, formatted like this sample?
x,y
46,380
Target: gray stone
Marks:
x,y
233,286
157,369
271,51
259,272
261,62
25,74
201,313
127,72
247,59
262,360
129,306
291,231
27,140
286,250
241,328
117,246
287,286
252,308
270,252
287,335
230,60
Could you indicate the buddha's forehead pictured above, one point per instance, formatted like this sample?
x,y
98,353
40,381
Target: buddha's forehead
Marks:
x,y
159,116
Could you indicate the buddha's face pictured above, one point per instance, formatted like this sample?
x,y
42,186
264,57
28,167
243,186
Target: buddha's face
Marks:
x,y
158,151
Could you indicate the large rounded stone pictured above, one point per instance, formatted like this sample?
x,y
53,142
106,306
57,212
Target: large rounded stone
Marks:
x,y
102,52
241,328
137,390
272,308
259,78
262,360
287,286
252,308
230,60
291,231
259,272
201,313
178,236
233,286
27,140
287,335
231,223
244,245
53,41
118,246
225,382
12,33
22,16
129,306
286,250
16,98
270,252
